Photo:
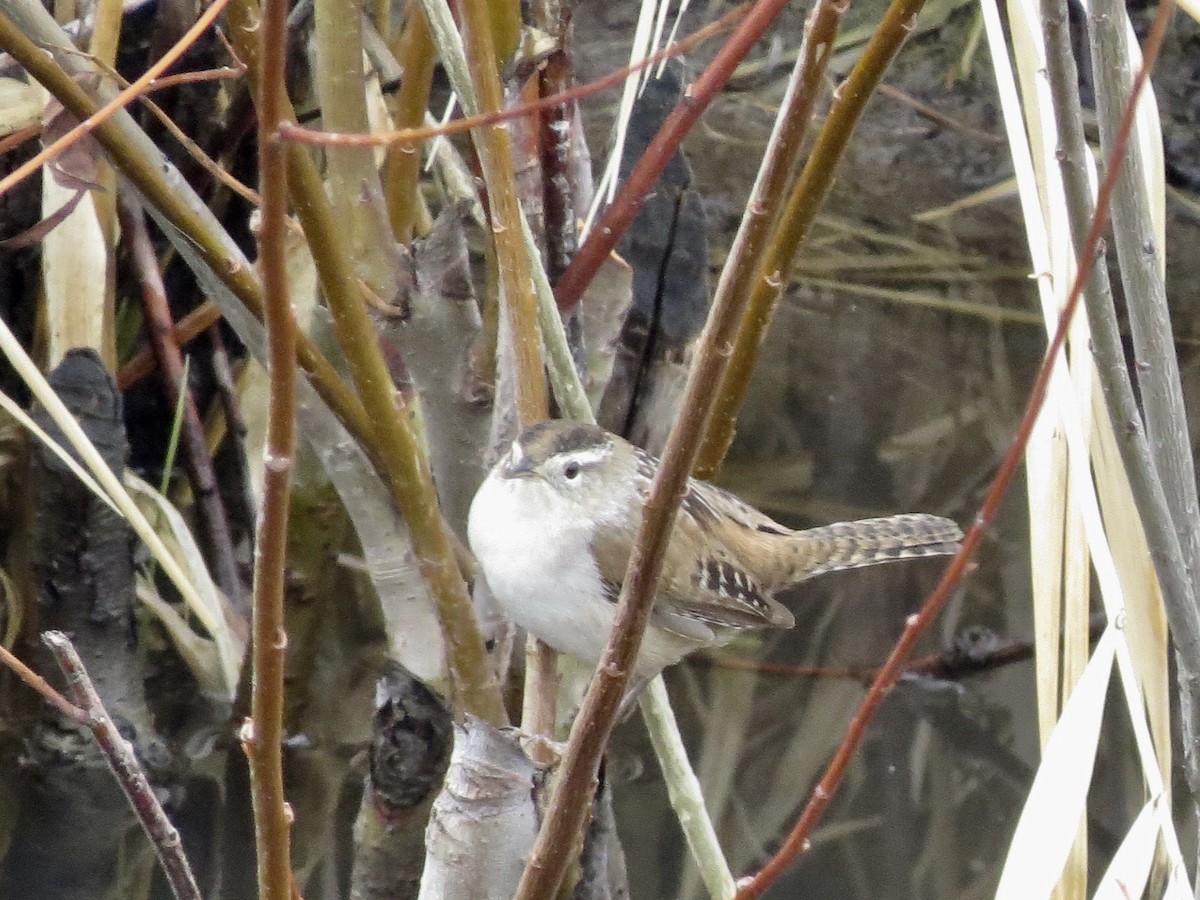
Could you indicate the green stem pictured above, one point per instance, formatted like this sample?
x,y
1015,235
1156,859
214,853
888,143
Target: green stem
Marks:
x,y
401,459
505,213
803,204
263,739
402,167
355,191
762,214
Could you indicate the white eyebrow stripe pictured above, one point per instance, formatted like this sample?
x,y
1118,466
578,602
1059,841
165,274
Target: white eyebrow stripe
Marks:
x,y
590,457
516,453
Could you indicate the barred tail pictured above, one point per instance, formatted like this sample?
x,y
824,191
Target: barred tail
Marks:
x,y
867,542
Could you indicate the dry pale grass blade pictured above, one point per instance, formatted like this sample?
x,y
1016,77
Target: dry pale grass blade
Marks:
x,y
198,653
21,105
9,405
1144,743
1046,489
1191,7
1057,800
1129,870
11,348
606,187
1145,619
1063,667
229,643
77,272
1001,190
1119,575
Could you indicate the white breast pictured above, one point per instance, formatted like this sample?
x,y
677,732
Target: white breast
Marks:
x,y
541,571
538,568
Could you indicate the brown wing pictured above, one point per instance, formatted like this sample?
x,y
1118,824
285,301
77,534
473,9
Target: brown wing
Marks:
x,y
702,584
705,579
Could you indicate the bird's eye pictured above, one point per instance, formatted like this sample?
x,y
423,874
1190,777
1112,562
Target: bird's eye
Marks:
x,y
571,471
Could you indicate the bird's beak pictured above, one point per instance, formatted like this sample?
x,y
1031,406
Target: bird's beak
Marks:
x,y
516,468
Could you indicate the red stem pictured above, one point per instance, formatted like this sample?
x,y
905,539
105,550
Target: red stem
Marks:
x,y
797,841
640,183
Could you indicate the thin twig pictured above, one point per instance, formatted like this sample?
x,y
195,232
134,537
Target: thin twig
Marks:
x,y
294,132
119,754
263,739
183,332
119,102
9,141
936,115
640,183
170,360
225,73
235,423
39,684
947,665
798,839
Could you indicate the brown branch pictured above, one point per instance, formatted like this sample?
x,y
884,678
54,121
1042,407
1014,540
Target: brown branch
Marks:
x,y
264,738
640,183
183,332
20,136
948,665
225,73
293,132
119,754
936,115
235,423
554,139
558,836
917,624
215,524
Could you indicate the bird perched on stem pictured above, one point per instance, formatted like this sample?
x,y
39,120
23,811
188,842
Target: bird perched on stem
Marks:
x,y
553,525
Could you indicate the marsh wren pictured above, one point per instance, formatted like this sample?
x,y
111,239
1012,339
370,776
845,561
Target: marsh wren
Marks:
x,y
553,524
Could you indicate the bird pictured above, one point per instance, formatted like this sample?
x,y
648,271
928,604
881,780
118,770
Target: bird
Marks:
x,y
552,528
